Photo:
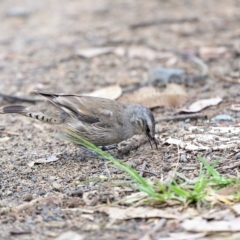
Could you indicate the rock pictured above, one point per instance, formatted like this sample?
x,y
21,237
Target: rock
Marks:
x,y
162,76
237,156
18,12
222,117
27,197
57,186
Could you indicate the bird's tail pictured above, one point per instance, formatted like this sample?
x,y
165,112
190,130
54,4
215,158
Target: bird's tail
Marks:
x,y
13,109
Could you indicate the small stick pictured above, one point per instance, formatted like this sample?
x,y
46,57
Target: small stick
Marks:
x,y
143,168
132,145
28,205
146,171
163,21
181,117
10,133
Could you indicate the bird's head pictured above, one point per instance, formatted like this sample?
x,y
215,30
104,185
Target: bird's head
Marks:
x,y
144,123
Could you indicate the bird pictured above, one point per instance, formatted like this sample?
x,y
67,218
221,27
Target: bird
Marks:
x,y
100,121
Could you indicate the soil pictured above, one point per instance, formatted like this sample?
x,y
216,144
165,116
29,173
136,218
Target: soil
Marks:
x,y
39,41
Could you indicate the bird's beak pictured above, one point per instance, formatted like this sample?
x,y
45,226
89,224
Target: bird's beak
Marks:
x,y
150,139
155,142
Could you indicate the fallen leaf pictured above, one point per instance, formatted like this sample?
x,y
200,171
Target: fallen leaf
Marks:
x,y
51,158
200,225
227,190
4,139
31,164
173,96
70,235
134,197
48,159
236,208
201,104
214,214
142,52
235,107
94,52
43,200
137,212
112,92
185,236
212,52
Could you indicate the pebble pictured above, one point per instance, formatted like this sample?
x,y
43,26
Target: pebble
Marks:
x,y
41,193
183,157
222,117
56,186
52,178
27,197
78,192
17,12
166,168
9,193
162,76
237,156
131,164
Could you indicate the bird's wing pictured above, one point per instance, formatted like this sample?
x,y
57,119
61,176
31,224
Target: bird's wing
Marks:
x,y
87,109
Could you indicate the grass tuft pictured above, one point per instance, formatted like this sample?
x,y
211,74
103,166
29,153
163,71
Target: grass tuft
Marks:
x,y
182,189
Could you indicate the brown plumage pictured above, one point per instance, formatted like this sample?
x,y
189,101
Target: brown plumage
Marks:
x,y
98,120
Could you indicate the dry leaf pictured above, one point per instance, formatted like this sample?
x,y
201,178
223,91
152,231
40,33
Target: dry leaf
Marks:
x,y
4,139
185,236
227,190
70,235
236,208
212,52
134,197
174,95
137,212
235,107
48,159
142,52
112,92
201,104
51,158
200,225
94,52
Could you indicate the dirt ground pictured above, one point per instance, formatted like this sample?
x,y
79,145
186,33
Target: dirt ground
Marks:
x,y
39,42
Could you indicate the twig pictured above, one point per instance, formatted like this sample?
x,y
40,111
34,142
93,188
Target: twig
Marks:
x,y
224,78
181,117
132,145
162,21
11,98
146,171
27,205
10,133
231,166
143,168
